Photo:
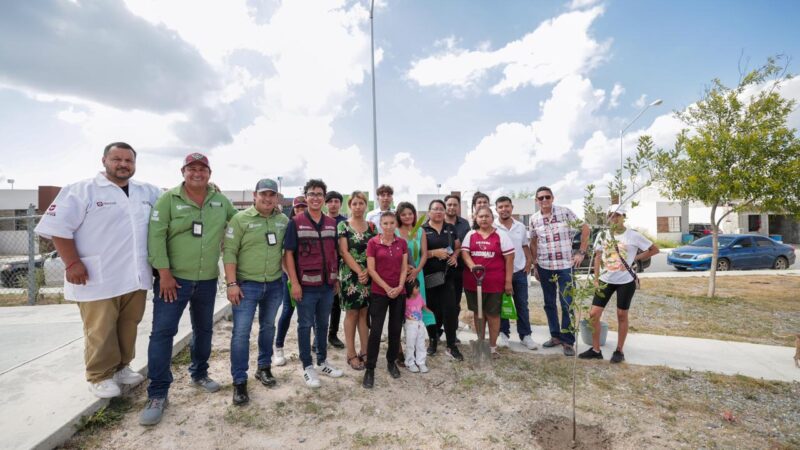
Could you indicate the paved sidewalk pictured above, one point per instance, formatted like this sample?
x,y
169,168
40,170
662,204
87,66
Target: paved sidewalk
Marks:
x,y
44,393
770,362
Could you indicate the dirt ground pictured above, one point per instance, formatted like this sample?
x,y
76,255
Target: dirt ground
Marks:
x,y
521,401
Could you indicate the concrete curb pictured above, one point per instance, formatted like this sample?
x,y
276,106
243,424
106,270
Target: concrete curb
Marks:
x,y
32,418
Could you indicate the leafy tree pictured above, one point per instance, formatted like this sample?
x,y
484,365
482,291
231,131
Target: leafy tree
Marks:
x,y
736,151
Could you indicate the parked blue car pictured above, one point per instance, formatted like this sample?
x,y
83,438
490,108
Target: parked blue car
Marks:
x,y
736,251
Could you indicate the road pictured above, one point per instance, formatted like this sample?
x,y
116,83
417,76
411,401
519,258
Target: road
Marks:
x,y
659,263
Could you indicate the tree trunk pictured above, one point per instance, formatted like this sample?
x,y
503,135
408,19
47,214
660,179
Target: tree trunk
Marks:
x,y
712,279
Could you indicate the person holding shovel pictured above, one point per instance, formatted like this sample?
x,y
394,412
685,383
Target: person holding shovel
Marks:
x,y
492,250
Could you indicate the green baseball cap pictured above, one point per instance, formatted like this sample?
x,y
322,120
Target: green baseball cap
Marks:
x,y
265,184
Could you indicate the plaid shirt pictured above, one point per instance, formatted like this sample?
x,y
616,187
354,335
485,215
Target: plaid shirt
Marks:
x,y
554,238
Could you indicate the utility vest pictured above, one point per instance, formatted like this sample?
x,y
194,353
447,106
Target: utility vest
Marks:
x,y
316,256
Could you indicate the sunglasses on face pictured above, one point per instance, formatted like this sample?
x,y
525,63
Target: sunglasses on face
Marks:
x,y
544,197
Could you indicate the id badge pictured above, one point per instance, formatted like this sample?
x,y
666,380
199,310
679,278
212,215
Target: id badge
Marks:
x,y
272,239
197,229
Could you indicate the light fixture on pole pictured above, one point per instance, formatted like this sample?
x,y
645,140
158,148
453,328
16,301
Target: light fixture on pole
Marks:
x,y
438,186
374,108
280,183
622,131
11,182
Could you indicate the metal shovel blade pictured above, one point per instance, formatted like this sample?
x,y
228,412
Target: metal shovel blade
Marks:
x,y
481,353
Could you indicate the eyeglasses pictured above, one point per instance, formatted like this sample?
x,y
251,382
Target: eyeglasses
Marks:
x,y
544,197
315,194
437,210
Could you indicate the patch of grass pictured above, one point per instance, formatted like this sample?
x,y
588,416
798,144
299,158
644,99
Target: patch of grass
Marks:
x,y
246,416
106,416
448,440
183,358
363,439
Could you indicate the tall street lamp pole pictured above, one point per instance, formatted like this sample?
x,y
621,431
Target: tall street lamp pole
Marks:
x,y
622,131
374,108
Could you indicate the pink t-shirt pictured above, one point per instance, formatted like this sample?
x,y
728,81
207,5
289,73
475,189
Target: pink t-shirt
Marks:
x,y
414,307
388,261
489,252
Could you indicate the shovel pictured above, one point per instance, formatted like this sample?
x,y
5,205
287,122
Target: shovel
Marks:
x,y
480,348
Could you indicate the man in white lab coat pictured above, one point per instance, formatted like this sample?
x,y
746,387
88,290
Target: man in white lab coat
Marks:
x,y
99,228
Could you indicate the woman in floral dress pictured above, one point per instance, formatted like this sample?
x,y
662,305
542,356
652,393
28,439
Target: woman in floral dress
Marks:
x,y
354,282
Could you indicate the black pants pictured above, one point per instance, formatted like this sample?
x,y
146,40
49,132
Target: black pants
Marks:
x,y
442,301
336,313
377,314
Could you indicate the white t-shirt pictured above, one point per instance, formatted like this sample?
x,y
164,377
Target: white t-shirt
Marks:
x,y
612,270
519,237
110,233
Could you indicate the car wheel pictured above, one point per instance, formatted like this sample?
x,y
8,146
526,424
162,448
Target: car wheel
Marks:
x,y
18,279
781,263
723,265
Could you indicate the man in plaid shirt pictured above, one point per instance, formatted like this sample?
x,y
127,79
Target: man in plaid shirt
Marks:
x,y
551,246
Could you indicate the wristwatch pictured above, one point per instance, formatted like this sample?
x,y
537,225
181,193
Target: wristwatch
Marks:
x,y
232,283
582,252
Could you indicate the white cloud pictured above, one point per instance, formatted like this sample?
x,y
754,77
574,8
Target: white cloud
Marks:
x,y
532,60
640,102
406,178
616,92
578,4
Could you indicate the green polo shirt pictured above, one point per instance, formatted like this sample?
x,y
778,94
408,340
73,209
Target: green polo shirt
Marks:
x,y
171,243
246,244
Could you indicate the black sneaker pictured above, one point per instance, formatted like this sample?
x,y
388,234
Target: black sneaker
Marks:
x,y
432,347
454,353
240,396
617,357
393,370
335,342
369,379
264,375
591,354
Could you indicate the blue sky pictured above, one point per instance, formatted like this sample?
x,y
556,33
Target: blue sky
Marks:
x,y
501,96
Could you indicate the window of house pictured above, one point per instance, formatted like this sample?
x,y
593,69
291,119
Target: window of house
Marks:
x,y
668,224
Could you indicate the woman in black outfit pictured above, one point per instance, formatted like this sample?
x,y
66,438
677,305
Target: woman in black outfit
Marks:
x,y
439,270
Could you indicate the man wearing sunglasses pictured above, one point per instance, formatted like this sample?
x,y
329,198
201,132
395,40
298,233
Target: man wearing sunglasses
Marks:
x,y
551,231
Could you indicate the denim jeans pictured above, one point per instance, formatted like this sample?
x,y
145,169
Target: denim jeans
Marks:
x,y
267,297
520,285
200,296
314,310
287,311
551,292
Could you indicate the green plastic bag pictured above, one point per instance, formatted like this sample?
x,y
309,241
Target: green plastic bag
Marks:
x,y
508,310
289,287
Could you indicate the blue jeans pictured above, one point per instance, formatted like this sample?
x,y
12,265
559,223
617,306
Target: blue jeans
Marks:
x,y
314,310
550,295
200,296
287,311
520,285
267,297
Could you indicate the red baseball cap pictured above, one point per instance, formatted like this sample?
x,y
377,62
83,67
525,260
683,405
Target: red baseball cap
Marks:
x,y
299,201
195,157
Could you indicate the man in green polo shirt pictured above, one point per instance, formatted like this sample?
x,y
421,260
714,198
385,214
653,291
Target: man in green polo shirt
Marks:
x,y
252,255
184,236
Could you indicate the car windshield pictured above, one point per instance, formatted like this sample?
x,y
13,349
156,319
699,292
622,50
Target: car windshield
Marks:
x,y
724,241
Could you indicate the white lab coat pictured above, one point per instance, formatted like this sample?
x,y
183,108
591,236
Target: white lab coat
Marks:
x,y
110,233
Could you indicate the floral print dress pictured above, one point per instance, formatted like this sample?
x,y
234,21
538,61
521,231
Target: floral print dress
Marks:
x,y
354,295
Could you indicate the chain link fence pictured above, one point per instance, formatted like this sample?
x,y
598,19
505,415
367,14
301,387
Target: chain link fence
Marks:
x,y
30,269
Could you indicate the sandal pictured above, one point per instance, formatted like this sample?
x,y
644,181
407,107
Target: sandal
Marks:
x,y
356,366
363,357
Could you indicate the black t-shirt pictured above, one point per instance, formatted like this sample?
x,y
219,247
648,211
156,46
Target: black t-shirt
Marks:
x,y
125,190
436,240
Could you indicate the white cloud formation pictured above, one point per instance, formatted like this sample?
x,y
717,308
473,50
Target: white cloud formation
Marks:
x,y
578,4
616,92
532,60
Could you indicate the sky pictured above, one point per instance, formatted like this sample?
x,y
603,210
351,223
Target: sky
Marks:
x,y
498,96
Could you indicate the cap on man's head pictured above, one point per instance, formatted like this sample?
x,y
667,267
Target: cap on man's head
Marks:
x,y
265,184
299,201
616,208
195,157
333,195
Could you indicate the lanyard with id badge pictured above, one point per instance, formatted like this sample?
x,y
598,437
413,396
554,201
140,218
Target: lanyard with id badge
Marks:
x,y
272,239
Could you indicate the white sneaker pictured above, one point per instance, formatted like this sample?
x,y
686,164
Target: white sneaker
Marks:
x,y
127,376
329,370
105,389
528,341
277,358
310,377
412,368
423,368
502,340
